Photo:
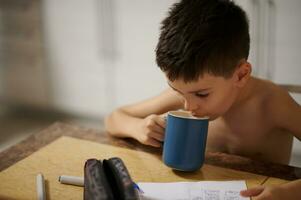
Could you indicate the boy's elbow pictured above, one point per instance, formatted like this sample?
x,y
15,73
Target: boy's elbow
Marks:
x,y
111,123
107,123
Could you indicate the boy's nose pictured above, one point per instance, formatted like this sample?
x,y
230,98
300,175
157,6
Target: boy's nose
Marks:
x,y
190,106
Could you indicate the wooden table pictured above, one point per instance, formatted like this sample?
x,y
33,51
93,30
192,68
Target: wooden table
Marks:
x,y
271,173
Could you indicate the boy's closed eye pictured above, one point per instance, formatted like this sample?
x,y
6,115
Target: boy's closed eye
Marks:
x,y
201,95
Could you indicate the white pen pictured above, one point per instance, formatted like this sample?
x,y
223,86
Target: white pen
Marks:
x,y
41,187
71,180
79,181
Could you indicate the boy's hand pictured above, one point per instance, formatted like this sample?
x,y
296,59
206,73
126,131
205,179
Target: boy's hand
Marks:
x,y
265,193
152,130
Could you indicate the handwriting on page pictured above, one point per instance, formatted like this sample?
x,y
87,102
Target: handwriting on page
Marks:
x,y
204,190
214,195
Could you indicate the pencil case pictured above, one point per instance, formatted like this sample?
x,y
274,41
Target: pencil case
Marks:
x,y
108,180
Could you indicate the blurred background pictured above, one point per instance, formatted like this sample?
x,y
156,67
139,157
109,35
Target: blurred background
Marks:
x,y
76,60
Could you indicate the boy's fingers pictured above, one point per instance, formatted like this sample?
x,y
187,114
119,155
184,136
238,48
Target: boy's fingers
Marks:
x,y
164,115
252,191
154,143
159,129
161,121
157,136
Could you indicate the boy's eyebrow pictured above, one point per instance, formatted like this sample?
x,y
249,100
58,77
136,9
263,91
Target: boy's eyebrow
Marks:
x,y
201,90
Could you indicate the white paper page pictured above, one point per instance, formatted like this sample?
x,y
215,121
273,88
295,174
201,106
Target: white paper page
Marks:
x,y
203,190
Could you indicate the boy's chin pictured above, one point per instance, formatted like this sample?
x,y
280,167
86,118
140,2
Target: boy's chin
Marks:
x,y
212,118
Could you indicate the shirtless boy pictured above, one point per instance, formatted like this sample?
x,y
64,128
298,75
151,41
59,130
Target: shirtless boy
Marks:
x,y
203,51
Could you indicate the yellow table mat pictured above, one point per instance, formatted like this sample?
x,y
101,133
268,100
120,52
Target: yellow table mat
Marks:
x,y
67,155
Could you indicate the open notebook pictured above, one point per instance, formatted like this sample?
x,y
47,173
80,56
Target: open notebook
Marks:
x,y
203,190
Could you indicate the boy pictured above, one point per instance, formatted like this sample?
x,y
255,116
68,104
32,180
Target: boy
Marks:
x,y
203,50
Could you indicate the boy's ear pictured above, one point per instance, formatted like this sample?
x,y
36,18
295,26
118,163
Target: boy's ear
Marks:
x,y
242,73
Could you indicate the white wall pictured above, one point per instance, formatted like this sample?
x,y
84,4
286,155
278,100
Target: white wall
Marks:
x,y
137,74
288,45
74,67
82,80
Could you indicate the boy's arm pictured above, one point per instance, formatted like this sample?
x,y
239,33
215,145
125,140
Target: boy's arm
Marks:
x,y
285,112
141,120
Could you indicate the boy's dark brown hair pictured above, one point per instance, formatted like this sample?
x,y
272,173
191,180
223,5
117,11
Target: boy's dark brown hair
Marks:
x,y
202,36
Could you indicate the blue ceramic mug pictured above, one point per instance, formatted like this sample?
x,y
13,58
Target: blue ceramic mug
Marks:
x,y
185,141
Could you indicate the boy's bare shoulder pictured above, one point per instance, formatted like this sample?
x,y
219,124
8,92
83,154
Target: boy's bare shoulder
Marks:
x,y
276,103
270,90
274,96
269,94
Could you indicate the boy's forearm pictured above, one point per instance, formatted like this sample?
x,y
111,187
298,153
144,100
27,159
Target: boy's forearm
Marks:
x,y
293,189
120,124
